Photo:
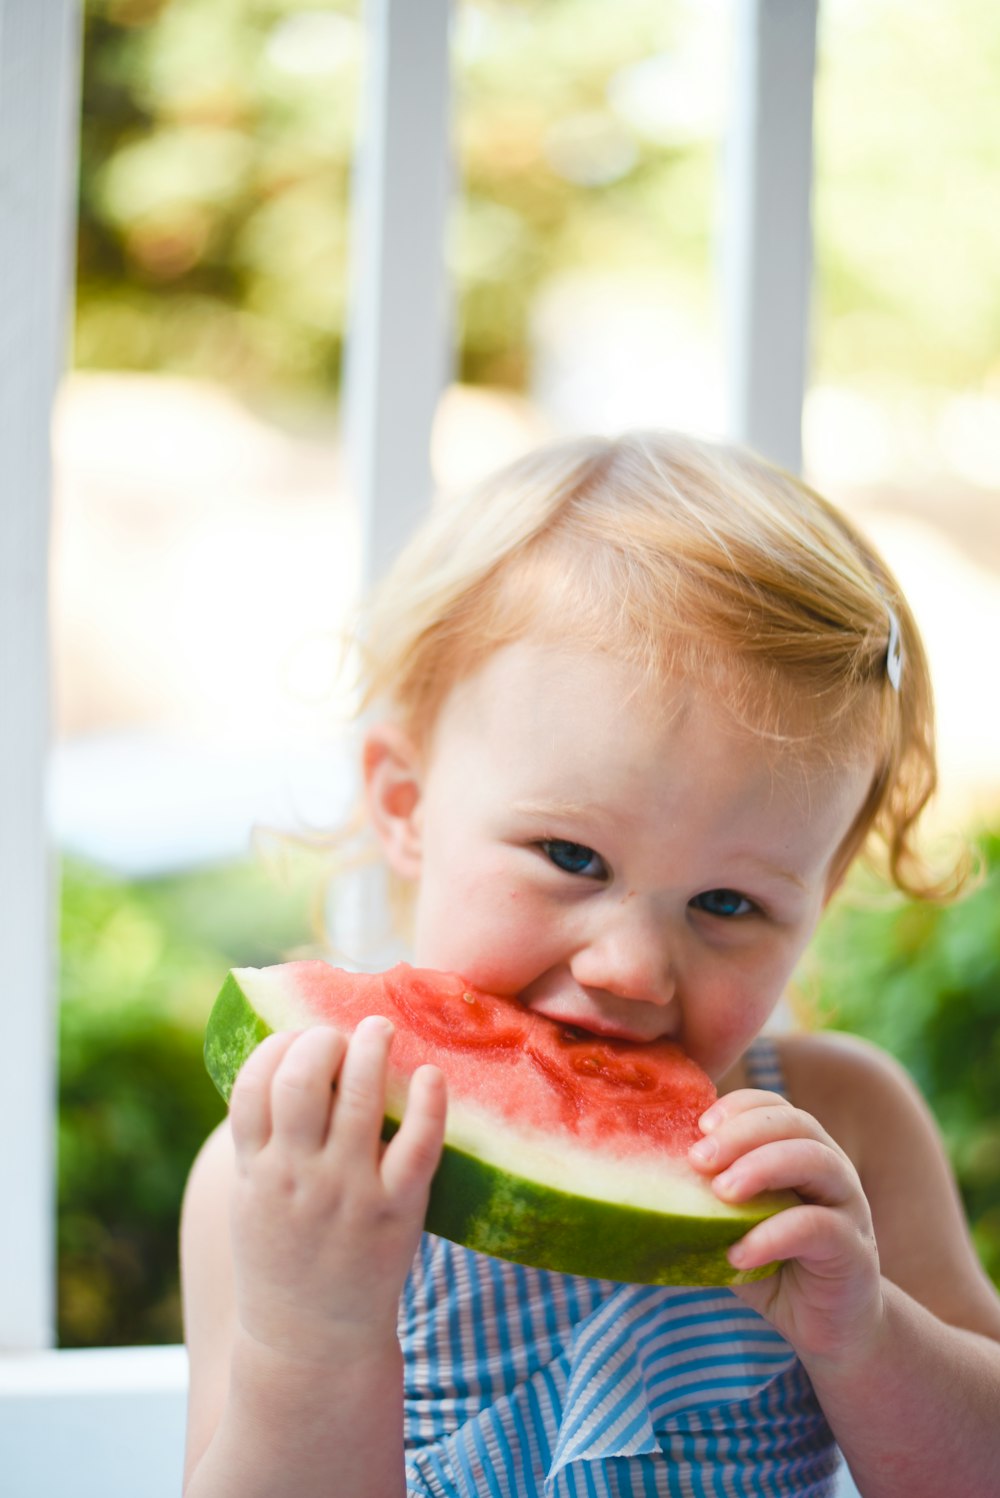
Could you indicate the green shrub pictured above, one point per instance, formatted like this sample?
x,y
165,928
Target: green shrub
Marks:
x,y
140,966
923,982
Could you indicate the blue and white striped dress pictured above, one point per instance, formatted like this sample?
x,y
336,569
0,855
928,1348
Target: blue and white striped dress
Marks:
x,y
521,1383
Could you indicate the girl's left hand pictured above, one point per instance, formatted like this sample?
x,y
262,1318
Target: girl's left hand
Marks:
x,y
826,1299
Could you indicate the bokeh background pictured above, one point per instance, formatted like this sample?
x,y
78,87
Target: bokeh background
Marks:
x,y
206,545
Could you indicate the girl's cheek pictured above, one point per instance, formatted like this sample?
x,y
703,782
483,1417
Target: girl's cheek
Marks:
x,y
483,932
720,1024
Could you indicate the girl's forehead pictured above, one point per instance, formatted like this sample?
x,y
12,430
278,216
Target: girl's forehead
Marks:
x,y
540,702
544,675
581,743
558,684
536,664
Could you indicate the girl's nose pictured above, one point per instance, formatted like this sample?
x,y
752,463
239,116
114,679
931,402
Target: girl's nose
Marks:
x,y
628,954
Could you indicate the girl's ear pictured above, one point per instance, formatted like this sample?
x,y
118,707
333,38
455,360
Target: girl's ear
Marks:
x,y
393,792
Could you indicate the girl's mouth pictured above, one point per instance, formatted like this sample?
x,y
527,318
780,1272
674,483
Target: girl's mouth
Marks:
x,y
608,1015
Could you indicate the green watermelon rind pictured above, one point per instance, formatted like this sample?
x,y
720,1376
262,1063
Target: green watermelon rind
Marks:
x,y
499,1212
235,1030
511,1217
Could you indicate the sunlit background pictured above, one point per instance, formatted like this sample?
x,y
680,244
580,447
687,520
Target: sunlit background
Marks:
x,y
206,539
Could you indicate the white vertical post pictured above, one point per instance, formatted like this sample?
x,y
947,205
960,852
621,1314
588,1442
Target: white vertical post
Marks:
x,y
398,349
38,96
767,252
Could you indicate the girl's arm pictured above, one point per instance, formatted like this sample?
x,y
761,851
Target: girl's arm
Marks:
x,y
297,1233
881,1293
256,1421
917,1411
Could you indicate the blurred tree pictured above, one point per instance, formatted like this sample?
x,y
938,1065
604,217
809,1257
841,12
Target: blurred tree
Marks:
x,y
908,239
216,151
215,155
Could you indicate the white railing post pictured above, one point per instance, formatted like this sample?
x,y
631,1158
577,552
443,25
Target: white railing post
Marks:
x,y
399,343
767,234
398,354
39,51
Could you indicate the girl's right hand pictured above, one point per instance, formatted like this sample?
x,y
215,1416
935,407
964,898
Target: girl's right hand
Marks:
x,y
326,1218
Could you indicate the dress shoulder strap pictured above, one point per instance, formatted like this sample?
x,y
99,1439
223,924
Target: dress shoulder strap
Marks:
x,y
763,1065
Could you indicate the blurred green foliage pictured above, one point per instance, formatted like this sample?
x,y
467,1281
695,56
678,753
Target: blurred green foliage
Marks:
x,y
140,966
923,982
218,135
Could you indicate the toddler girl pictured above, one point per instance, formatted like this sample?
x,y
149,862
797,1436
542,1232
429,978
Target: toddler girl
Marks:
x,y
641,703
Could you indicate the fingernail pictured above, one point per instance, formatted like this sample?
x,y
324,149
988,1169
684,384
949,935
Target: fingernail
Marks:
x,y
728,1183
710,1118
704,1150
377,1023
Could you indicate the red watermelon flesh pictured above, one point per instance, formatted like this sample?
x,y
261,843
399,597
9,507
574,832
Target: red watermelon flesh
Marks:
x,y
563,1149
520,1066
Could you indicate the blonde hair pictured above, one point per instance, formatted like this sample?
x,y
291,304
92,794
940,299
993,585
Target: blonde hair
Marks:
x,y
692,559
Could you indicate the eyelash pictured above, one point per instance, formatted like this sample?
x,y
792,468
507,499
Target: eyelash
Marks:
x,y
731,915
549,844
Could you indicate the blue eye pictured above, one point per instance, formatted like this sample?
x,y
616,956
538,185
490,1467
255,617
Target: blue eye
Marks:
x,y
573,858
726,903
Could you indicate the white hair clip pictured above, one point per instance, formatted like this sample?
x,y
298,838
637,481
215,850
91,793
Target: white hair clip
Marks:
x,y
894,653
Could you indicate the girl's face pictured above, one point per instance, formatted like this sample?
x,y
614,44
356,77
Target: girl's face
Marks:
x,y
621,860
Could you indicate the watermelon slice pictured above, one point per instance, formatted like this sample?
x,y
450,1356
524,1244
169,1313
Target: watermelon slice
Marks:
x,y
563,1150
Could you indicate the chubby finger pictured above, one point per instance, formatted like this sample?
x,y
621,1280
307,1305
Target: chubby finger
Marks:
x,y
829,1243
743,1100
746,1130
360,1103
412,1155
250,1102
302,1089
816,1171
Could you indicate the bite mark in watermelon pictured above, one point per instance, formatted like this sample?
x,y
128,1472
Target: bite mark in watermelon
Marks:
x,y
563,1150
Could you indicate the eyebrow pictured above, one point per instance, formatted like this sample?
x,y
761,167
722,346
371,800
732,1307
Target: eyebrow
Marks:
x,y
773,870
558,807
574,809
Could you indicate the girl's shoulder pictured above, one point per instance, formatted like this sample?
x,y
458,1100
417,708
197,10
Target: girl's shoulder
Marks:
x,y
853,1088
871,1108
869,1104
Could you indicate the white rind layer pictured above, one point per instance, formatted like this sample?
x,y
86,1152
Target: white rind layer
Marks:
x,y
578,1170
